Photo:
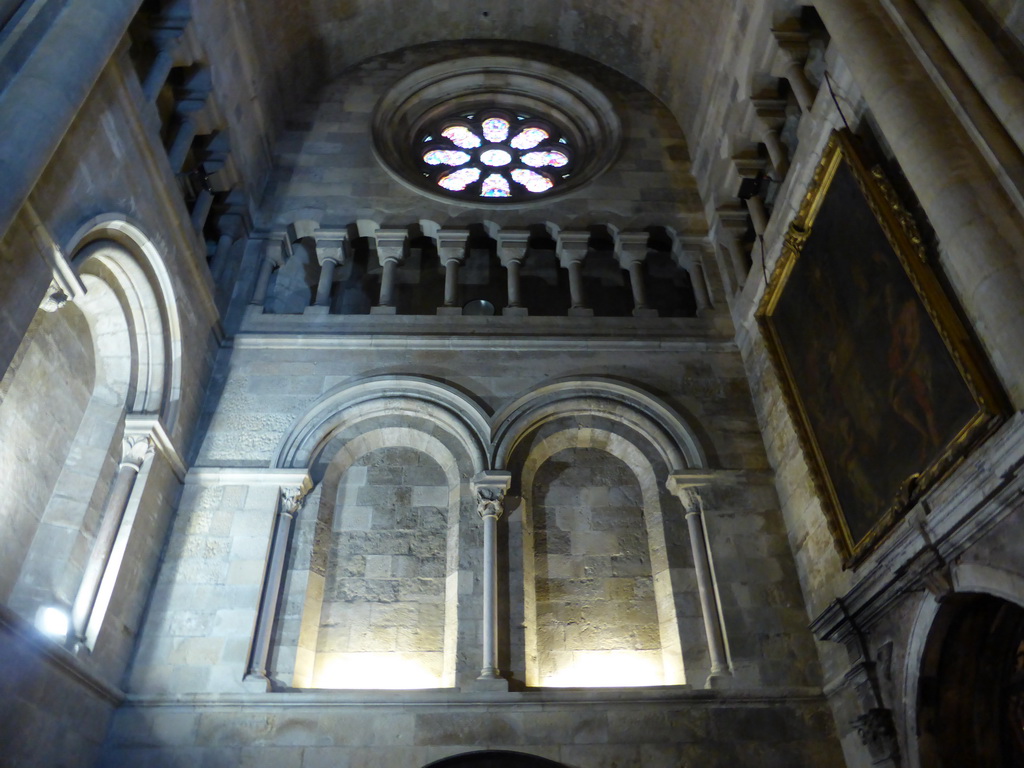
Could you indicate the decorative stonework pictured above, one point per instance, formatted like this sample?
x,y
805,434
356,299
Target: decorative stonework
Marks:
x,y
135,449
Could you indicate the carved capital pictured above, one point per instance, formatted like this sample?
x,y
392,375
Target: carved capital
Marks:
x,y
135,449
686,486
293,497
490,488
55,298
332,249
877,732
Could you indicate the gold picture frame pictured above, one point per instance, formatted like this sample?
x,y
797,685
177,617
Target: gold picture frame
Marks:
x,y
886,387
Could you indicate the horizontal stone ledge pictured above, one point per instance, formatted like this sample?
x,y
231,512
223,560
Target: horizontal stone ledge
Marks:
x,y
537,698
256,475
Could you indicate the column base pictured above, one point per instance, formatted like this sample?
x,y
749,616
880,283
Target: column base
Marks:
x,y
490,684
449,310
256,683
515,311
645,312
383,310
581,312
317,309
718,680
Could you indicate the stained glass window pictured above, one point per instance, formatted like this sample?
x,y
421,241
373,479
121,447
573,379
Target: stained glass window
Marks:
x,y
495,185
491,154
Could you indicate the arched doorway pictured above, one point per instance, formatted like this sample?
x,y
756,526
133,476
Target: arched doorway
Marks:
x,y
495,758
971,690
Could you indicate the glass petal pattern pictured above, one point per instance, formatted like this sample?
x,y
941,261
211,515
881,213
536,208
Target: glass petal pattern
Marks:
x,y
495,157
461,136
528,138
495,185
458,180
549,157
532,180
446,157
495,129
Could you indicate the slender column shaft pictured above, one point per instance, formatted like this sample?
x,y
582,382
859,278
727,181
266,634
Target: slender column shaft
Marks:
x,y
220,255
490,490
259,295
136,451
776,152
576,283
157,75
636,283
736,257
291,501
758,214
451,282
387,283
800,85
323,288
514,299
700,286
182,141
706,590
201,209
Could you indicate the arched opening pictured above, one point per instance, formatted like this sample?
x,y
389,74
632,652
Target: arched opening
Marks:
x,y
971,686
495,758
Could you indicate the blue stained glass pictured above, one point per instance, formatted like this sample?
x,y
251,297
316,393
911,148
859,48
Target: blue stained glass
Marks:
x,y
445,157
495,129
495,186
532,180
546,157
528,138
458,180
461,136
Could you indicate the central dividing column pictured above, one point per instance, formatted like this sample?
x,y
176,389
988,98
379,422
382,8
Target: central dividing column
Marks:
x,y
331,254
390,250
451,250
572,250
684,487
489,488
512,248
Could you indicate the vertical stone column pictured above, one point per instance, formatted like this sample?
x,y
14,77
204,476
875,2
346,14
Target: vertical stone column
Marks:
x,y
690,258
135,450
273,257
731,224
630,252
979,231
451,248
769,115
390,252
489,488
793,50
231,227
167,30
330,252
685,488
288,506
191,100
512,253
572,250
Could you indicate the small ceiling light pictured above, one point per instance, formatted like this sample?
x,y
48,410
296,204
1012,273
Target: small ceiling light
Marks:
x,y
53,622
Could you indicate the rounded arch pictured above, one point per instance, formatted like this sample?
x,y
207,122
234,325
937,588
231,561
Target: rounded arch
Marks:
x,y
117,252
675,440
975,579
350,404
494,758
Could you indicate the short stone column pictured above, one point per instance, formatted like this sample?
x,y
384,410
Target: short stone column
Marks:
x,y
690,258
330,252
489,489
191,101
731,225
769,115
165,35
572,250
512,248
288,506
793,49
135,450
273,257
451,250
390,252
231,227
685,486
630,252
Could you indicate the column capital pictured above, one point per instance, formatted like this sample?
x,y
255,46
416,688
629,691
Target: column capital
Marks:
x,y
390,244
631,247
489,488
451,245
331,249
572,247
512,246
293,496
135,449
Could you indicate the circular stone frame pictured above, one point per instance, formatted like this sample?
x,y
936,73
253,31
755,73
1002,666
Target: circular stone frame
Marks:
x,y
583,113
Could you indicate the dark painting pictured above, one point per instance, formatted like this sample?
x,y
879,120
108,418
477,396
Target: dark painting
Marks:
x,y
878,394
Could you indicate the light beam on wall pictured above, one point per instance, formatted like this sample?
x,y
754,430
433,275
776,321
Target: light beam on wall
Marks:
x,y
607,669
53,622
376,671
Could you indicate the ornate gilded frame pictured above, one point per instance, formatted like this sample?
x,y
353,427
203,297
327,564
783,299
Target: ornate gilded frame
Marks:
x,y
776,314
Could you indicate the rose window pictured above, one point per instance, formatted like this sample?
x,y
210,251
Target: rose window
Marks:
x,y
495,155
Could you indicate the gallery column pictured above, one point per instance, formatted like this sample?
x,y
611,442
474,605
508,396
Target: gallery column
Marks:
x,y
572,250
390,250
512,252
980,235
